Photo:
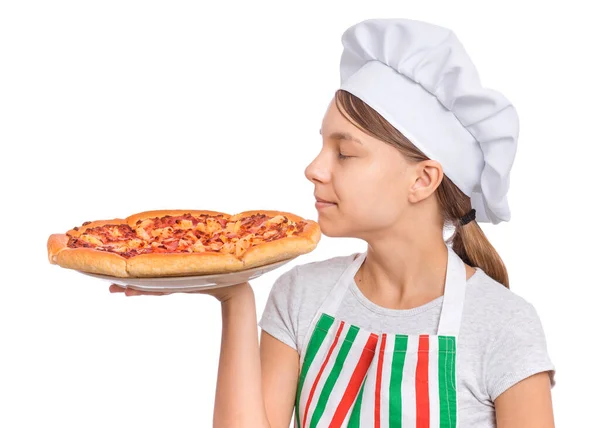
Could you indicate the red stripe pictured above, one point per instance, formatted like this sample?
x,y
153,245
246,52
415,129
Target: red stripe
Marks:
x,y
378,382
422,382
355,381
314,387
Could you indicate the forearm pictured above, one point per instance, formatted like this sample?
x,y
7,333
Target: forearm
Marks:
x,y
239,401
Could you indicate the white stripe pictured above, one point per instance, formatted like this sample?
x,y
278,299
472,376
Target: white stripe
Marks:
x,y
314,370
367,411
409,396
347,419
434,393
316,364
344,379
386,374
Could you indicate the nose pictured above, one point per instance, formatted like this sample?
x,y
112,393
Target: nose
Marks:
x,y
317,171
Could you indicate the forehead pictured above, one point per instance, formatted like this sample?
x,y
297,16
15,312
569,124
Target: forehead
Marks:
x,y
336,126
334,118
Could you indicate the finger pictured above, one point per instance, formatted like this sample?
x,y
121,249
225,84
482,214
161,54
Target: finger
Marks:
x,y
114,288
134,292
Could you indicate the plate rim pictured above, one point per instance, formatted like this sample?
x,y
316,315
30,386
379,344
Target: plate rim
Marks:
x,y
272,266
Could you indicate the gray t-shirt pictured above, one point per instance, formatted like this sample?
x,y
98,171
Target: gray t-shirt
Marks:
x,y
501,339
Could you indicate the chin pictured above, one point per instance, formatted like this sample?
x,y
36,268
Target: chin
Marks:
x,y
332,229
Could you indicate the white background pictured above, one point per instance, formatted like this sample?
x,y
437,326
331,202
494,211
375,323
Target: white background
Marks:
x,y
115,107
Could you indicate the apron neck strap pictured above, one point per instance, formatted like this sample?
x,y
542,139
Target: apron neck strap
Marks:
x,y
454,292
454,295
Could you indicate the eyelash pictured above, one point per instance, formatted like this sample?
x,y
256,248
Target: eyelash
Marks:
x,y
342,157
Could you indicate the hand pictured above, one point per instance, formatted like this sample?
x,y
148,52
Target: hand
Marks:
x,y
222,294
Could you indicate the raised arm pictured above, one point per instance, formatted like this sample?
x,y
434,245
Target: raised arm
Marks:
x,y
280,368
248,396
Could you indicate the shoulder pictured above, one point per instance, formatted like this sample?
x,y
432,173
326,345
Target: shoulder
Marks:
x,y
497,320
490,300
296,296
508,332
313,280
322,271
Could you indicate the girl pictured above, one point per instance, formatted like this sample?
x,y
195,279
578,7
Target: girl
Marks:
x,y
417,331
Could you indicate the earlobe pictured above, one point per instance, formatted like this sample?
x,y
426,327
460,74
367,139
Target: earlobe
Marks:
x,y
418,191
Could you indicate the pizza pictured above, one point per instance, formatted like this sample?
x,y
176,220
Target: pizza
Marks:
x,y
183,242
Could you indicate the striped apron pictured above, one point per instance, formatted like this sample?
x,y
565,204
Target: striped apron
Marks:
x,y
351,377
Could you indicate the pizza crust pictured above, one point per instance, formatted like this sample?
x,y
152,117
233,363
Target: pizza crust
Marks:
x,y
275,251
94,261
132,219
56,243
180,264
81,229
270,213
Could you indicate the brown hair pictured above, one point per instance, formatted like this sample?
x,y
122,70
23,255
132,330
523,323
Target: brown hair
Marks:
x,y
468,241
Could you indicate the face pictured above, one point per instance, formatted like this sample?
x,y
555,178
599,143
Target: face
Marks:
x,y
370,182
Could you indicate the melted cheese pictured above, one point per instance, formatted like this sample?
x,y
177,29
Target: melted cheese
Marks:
x,y
198,247
216,246
212,226
186,224
114,232
141,232
276,220
233,227
190,236
136,243
242,245
162,232
270,233
229,247
91,239
120,248
146,223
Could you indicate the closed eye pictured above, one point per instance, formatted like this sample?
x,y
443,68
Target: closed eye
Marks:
x,y
343,157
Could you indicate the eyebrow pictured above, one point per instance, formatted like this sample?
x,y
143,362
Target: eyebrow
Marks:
x,y
342,136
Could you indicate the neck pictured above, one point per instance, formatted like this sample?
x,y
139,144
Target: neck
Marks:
x,y
403,274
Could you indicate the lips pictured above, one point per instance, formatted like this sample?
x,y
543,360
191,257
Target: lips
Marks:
x,y
323,200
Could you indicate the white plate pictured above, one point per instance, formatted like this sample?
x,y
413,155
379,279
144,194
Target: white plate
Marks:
x,y
173,284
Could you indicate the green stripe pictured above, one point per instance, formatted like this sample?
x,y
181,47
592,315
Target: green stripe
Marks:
x,y
400,347
354,421
333,375
446,376
316,340
453,386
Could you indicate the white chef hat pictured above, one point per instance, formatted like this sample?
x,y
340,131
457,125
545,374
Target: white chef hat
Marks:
x,y
419,77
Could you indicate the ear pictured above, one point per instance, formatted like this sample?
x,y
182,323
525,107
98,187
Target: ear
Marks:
x,y
427,176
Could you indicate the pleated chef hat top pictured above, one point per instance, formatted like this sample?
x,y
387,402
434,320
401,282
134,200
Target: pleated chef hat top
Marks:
x,y
419,77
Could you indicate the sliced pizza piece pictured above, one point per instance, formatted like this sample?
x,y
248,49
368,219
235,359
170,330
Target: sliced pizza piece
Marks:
x,y
183,242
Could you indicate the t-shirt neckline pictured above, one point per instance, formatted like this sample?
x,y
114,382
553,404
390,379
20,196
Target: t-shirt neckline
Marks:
x,y
372,306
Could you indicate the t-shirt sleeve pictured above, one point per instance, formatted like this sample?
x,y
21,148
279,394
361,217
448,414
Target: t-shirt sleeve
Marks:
x,y
519,351
280,318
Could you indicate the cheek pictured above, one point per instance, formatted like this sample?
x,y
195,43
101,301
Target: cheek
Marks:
x,y
373,195
376,183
